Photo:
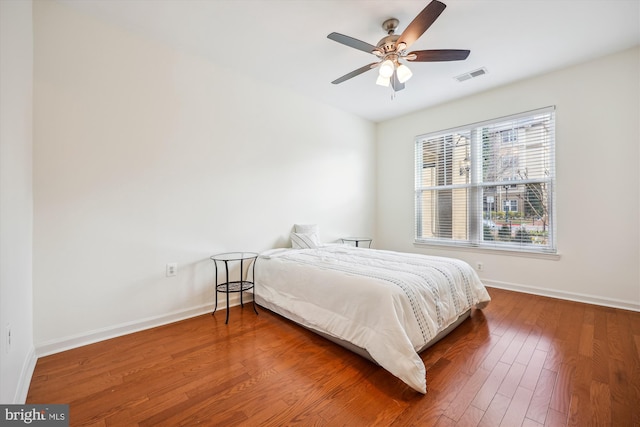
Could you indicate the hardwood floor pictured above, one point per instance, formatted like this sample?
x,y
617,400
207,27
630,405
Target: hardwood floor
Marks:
x,y
522,361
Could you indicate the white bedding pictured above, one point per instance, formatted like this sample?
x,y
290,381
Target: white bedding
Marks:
x,y
389,303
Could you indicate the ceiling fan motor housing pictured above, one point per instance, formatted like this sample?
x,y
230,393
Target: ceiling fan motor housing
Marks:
x,y
388,44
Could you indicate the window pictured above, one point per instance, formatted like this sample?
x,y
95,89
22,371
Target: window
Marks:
x,y
489,184
510,205
509,135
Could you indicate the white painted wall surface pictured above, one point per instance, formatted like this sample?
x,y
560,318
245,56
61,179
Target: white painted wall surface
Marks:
x,y
17,360
598,184
144,155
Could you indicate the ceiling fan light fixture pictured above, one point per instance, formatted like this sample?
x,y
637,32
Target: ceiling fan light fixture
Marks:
x,y
392,49
387,68
383,81
404,73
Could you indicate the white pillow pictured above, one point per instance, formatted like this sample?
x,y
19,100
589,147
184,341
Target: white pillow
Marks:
x,y
304,240
306,228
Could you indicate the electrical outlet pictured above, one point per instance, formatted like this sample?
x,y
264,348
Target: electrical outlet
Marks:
x,y
7,334
172,269
479,266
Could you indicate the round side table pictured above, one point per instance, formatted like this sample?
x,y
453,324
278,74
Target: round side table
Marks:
x,y
357,240
232,286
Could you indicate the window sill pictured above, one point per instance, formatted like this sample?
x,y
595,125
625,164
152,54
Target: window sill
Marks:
x,y
493,251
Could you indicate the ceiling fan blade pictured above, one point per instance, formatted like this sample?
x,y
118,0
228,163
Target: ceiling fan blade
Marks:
x,y
351,42
395,83
421,23
355,73
438,55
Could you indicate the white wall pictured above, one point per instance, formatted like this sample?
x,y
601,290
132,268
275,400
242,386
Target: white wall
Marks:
x,y
17,360
597,139
144,155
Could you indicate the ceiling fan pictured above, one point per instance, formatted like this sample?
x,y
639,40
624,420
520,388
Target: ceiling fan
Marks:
x,y
392,49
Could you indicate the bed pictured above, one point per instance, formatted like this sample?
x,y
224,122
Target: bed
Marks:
x,y
385,305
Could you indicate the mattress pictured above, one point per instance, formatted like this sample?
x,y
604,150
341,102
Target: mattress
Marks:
x,y
389,304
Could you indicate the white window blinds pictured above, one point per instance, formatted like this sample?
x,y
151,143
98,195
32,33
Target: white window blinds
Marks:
x,y
489,184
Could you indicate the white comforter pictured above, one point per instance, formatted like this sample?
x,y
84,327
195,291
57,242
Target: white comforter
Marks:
x,y
389,303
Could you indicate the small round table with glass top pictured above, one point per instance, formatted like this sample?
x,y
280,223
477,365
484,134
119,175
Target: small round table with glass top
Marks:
x,y
357,240
232,286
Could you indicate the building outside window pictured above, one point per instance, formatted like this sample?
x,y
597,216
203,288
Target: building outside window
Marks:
x,y
488,184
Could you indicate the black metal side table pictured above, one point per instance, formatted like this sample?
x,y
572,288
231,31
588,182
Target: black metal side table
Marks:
x,y
357,240
242,285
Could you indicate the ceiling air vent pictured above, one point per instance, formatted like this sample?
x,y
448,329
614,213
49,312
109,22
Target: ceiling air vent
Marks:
x,y
471,74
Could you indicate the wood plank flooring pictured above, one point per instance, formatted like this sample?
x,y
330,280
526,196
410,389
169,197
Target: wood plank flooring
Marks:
x,y
523,361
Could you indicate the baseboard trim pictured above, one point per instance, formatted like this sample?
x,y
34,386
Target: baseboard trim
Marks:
x,y
28,367
90,337
570,296
68,343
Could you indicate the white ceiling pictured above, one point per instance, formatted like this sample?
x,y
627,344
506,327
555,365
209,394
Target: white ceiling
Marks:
x,y
285,42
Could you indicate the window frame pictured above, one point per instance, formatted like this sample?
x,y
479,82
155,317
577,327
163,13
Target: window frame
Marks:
x,y
476,188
